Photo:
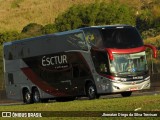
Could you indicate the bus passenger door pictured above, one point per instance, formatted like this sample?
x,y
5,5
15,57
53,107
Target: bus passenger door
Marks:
x,y
80,74
65,82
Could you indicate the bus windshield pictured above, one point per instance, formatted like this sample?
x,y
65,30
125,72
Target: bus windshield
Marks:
x,y
128,63
113,37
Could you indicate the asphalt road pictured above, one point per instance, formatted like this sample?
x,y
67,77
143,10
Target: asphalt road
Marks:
x,y
6,102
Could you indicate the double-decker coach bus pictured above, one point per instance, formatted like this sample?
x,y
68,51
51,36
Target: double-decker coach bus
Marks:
x,y
88,61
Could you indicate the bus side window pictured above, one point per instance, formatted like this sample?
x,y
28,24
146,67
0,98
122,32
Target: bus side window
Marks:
x,y
10,78
78,40
83,73
101,62
93,37
80,71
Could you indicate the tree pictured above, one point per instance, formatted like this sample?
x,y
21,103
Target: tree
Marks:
x,y
70,19
9,36
144,20
148,21
49,28
98,13
115,13
32,29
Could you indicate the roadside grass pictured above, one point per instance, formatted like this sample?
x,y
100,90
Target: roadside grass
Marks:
x,y
144,103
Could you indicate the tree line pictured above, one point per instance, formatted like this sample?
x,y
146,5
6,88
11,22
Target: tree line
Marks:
x,y
147,20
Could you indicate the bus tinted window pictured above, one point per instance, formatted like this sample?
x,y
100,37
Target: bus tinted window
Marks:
x,y
121,38
77,40
100,60
93,37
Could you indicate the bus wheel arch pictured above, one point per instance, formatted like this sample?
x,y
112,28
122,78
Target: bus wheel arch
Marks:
x,y
27,96
91,90
36,95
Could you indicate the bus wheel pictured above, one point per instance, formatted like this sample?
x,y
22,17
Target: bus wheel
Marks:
x,y
126,94
91,91
27,98
36,96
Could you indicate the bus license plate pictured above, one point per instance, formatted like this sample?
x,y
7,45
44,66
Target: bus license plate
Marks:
x,y
133,89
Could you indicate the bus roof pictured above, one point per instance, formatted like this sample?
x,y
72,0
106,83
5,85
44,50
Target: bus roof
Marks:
x,y
65,32
43,36
108,26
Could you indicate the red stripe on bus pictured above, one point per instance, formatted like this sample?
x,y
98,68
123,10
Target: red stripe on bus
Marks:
x,y
125,51
41,83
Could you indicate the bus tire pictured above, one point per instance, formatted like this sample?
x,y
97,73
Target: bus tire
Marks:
x,y
91,91
27,97
126,94
36,96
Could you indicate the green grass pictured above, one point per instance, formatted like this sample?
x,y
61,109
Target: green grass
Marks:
x,y
146,103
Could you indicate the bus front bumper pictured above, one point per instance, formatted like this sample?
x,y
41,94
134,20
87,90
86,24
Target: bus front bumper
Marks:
x,y
130,86
116,87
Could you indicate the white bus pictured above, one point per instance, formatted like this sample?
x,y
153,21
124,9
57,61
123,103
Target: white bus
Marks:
x,y
89,61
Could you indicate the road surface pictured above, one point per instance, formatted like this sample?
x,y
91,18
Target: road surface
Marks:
x,y
6,102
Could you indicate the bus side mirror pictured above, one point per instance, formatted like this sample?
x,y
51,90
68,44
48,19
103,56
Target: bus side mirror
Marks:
x,y
154,50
